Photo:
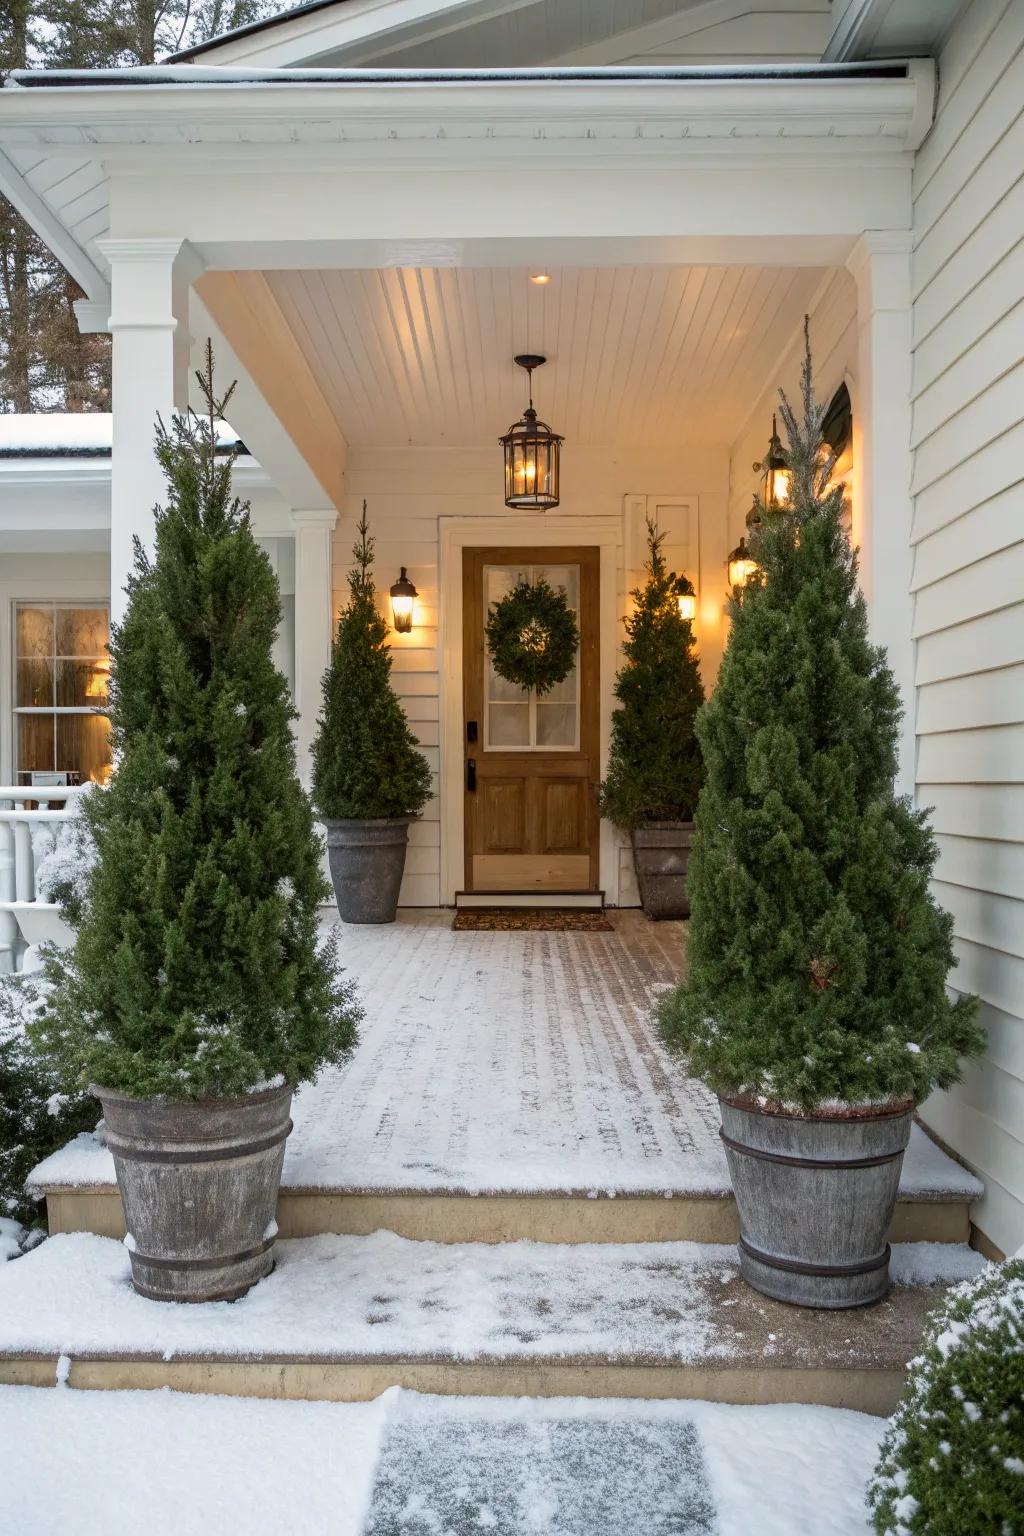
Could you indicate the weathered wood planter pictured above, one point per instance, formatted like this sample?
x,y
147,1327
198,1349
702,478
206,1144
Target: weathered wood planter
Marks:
x,y
367,860
198,1181
661,853
815,1198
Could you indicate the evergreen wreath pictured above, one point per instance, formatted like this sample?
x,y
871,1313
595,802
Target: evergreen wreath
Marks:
x,y
532,635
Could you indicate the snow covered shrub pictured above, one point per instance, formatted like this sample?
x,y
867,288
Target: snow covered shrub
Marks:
x,y
952,1461
38,1112
65,853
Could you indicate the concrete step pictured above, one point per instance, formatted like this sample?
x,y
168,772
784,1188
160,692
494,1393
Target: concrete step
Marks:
x,y
345,1318
455,1216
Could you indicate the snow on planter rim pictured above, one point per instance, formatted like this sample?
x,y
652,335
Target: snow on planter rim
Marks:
x,y
388,1296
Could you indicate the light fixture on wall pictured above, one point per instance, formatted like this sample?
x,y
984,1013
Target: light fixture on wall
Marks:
x,y
686,597
774,472
741,565
403,597
531,454
541,279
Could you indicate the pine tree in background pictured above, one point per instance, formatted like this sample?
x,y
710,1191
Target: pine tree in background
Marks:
x,y
366,761
196,970
46,362
818,958
654,770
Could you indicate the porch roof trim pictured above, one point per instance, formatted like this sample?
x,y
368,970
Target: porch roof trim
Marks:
x,y
207,75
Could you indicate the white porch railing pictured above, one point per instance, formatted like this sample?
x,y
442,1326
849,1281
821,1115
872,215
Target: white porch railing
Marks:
x,y
24,919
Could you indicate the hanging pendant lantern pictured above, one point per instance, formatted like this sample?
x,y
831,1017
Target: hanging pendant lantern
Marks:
x,y
531,454
774,472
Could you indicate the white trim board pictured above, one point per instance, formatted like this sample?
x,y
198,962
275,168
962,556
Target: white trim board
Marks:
x,y
528,530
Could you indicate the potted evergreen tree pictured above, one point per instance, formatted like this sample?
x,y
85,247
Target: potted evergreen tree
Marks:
x,y
654,769
197,995
369,778
815,1004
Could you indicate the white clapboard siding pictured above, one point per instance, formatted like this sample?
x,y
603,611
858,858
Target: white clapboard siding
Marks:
x,y
968,533
982,864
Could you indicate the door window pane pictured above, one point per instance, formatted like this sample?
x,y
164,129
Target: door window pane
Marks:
x,y
516,719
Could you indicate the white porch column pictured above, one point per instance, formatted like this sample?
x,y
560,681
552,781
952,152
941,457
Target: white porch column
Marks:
x,y
150,282
314,622
883,505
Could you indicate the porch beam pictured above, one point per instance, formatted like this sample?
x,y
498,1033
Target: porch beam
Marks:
x,y
883,507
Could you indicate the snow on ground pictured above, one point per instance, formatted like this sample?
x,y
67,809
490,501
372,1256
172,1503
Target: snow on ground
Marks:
x,y
510,1062
389,1296
416,1466
381,1295
167,1464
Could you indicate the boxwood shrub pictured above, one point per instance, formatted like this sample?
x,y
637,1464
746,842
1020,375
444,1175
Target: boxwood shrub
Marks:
x,y
952,1460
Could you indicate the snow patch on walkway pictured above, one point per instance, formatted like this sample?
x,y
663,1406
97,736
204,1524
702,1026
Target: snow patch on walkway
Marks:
x,y
177,1465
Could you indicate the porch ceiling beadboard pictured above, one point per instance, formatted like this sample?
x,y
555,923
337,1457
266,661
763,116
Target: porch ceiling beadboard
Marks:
x,y
636,355
969,568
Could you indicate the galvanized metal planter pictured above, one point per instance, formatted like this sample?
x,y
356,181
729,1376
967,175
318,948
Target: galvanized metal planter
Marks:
x,y
661,853
815,1199
367,860
198,1181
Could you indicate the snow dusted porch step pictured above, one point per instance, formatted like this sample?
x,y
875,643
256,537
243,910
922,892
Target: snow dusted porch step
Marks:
x,y
345,1318
925,1213
510,1086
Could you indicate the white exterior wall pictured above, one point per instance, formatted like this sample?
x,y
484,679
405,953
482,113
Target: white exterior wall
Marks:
x,y
968,537
833,316
408,490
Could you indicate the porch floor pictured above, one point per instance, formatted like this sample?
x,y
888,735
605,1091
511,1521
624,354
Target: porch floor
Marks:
x,y
510,1062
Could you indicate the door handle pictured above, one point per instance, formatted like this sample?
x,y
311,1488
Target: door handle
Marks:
x,y
471,773
471,730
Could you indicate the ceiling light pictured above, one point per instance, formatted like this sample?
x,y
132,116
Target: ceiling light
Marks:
x,y
540,278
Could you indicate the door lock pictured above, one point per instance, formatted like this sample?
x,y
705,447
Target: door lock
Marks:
x,y
471,730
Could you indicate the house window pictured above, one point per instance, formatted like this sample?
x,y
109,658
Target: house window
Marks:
x,y
61,667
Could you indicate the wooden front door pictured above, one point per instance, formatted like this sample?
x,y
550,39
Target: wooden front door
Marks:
x,y
531,763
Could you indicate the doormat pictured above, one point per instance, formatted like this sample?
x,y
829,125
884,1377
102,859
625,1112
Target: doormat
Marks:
x,y
527,920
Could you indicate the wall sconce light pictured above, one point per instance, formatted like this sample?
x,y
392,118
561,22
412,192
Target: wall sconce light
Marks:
x,y
740,565
774,470
403,596
686,597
